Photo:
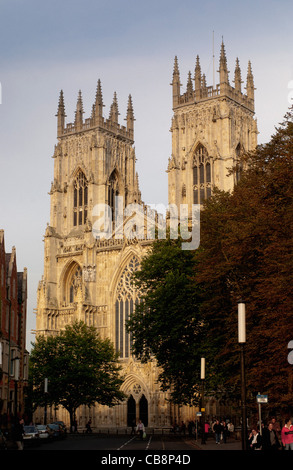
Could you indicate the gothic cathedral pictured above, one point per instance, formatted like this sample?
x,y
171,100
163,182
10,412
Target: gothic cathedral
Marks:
x,y
88,277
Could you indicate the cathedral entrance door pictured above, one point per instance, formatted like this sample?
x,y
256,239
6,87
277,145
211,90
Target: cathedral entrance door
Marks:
x,y
143,410
131,411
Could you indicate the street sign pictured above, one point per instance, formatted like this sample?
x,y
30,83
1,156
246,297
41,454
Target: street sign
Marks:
x,y
262,398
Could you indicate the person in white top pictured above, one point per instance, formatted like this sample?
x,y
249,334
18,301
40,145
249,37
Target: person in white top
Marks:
x,y
140,429
254,440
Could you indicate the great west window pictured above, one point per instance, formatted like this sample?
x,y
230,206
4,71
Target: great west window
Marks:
x,y
127,297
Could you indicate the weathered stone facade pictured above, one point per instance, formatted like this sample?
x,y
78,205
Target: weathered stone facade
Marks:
x,y
88,278
211,126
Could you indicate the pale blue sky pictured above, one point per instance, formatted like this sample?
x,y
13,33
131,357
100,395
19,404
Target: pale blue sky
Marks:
x,y
130,45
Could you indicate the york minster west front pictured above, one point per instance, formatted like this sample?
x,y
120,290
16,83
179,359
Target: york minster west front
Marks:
x,y
87,276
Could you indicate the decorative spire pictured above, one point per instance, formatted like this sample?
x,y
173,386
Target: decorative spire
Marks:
x,y
197,78
189,88
223,66
176,83
98,106
250,83
130,115
78,122
237,77
61,115
113,116
176,69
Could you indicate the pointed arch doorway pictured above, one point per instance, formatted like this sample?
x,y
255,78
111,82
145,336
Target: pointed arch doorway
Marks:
x,y
131,411
144,410
136,411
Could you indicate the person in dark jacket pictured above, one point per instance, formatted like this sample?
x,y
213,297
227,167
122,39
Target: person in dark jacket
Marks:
x,y
18,433
218,429
270,439
254,440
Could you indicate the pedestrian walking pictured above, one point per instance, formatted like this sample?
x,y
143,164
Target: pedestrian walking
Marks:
x,y
206,431
190,428
133,428
217,428
270,439
140,429
254,440
18,433
224,431
287,435
183,428
230,428
276,427
88,427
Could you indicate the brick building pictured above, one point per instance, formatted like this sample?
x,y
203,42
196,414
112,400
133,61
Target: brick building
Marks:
x,y
13,354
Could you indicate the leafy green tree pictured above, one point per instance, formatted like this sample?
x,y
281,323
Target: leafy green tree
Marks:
x,y
81,369
166,324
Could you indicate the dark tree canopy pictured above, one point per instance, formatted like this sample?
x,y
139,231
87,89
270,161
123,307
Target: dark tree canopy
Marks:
x,y
189,307
246,253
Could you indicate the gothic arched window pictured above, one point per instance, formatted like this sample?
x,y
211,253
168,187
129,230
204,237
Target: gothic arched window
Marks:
x,y
72,280
202,178
113,191
127,296
80,199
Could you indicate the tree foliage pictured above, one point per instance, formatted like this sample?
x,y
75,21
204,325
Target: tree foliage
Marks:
x,y
81,369
246,253
165,324
189,307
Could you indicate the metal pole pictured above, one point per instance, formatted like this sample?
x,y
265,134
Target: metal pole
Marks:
x,y
202,376
45,393
259,416
15,402
242,341
243,398
16,379
202,414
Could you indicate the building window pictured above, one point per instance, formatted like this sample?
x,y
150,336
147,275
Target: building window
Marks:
x,y
75,282
72,280
113,192
127,296
80,199
202,177
238,165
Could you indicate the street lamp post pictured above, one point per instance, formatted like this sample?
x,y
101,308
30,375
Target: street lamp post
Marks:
x,y
46,394
242,341
202,377
16,379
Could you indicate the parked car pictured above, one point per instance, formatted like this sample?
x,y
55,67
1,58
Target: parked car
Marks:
x,y
56,430
44,431
31,435
62,428
62,424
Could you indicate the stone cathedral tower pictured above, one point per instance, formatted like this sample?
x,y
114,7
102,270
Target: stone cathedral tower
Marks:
x,y
88,278
211,126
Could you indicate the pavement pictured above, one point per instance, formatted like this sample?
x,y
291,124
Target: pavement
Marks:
x,y
231,444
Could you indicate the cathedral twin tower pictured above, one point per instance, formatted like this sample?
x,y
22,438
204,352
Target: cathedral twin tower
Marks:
x,y
89,279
